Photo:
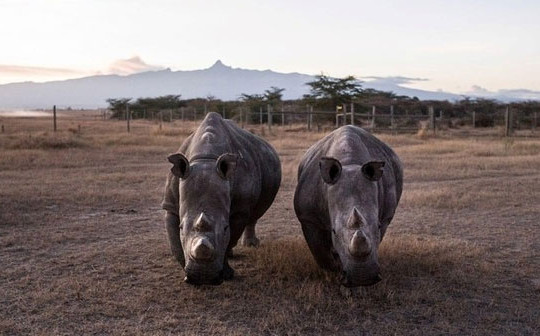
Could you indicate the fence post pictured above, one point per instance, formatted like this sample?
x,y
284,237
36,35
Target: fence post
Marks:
x,y
54,118
171,115
535,120
308,117
352,114
511,118
127,117
269,112
282,116
473,119
507,122
392,126
432,119
373,108
160,120
223,112
3,130
337,116
260,115
182,112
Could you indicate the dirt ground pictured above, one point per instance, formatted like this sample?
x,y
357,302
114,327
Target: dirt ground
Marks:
x,y
83,247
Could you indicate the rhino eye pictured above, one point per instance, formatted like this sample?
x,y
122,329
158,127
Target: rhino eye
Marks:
x,y
226,228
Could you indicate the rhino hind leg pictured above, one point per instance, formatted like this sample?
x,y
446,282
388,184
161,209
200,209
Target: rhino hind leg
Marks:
x,y
249,238
172,222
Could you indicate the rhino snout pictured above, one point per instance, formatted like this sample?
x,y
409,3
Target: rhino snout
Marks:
x,y
202,249
360,246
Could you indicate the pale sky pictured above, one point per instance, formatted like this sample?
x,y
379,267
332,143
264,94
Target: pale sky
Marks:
x,y
455,44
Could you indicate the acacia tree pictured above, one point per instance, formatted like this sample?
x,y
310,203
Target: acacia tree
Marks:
x,y
273,95
118,106
331,92
254,103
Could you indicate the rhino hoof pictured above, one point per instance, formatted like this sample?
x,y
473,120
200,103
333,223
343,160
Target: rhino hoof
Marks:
x,y
251,242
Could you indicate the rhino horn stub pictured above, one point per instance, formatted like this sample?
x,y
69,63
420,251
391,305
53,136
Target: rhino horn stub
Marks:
x,y
360,245
202,224
202,249
356,220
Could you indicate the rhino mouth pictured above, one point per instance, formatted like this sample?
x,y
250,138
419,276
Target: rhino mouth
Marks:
x,y
197,281
348,281
203,276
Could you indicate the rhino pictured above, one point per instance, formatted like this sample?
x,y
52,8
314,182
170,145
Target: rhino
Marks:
x,y
349,186
222,180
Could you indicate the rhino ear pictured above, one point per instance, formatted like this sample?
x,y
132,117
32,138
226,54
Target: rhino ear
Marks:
x,y
373,170
180,166
330,169
226,165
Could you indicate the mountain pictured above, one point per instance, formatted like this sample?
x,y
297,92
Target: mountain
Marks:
x,y
395,84
220,81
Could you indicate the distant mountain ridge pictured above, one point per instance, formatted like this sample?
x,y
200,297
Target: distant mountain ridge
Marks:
x,y
219,80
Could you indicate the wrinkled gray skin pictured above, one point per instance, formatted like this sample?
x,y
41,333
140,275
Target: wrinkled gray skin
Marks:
x,y
349,185
222,181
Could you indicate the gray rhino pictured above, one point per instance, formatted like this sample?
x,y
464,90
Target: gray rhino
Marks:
x,y
349,185
223,179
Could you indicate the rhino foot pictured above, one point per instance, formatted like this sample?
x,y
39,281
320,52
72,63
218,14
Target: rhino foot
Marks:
x,y
228,272
250,241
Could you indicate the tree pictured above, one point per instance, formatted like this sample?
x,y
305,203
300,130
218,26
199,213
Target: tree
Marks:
x,y
118,107
332,92
255,102
143,106
273,95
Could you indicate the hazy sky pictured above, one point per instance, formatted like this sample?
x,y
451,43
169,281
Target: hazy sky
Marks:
x,y
458,44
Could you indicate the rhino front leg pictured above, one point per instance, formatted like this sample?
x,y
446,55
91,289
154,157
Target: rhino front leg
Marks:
x,y
228,271
173,230
249,238
320,244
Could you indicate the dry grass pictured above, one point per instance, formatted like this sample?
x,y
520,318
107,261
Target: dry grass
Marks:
x,y
84,251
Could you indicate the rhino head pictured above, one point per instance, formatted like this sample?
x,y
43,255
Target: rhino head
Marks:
x,y
205,200
353,207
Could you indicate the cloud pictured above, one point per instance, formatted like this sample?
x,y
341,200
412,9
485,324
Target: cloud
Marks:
x,y
131,66
396,80
21,70
477,89
504,94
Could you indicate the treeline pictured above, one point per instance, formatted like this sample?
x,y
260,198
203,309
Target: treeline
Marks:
x,y
326,94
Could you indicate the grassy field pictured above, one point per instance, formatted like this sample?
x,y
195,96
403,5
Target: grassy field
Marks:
x,y
83,247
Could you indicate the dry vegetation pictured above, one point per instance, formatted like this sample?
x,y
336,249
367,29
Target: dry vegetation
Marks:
x,y
83,249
